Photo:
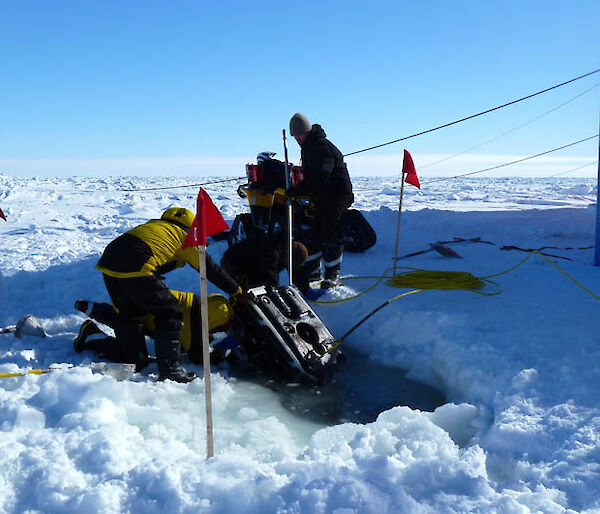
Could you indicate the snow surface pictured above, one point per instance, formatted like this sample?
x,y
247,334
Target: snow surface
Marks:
x,y
521,370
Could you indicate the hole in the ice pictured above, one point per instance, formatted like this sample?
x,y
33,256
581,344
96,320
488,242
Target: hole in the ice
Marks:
x,y
360,390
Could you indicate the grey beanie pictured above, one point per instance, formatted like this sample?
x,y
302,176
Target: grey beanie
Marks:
x,y
299,124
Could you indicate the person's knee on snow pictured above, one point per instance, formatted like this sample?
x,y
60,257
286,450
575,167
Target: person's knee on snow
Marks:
x,y
131,343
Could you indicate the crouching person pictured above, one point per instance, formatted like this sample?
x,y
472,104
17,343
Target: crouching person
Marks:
x,y
132,266
91,337
258,261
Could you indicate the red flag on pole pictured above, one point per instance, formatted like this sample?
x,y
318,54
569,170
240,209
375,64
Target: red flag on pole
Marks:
x,y
2,215
408,167
207,222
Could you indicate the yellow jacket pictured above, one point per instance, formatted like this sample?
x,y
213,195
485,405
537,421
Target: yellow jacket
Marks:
x,y
154,248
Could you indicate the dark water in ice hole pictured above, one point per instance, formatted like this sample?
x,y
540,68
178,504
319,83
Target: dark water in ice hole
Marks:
x,y
359,391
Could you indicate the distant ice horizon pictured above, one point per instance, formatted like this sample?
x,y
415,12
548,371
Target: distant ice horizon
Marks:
x,y
375,165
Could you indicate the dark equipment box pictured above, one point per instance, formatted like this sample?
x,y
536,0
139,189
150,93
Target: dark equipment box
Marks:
x,y
281,334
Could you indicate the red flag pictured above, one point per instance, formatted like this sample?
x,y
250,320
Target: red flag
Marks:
x,y
2,215
408,167
208,221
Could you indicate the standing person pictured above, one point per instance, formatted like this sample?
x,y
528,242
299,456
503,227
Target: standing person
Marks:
x,y
326,179
132,266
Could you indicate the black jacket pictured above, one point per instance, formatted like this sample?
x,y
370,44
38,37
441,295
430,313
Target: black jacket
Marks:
x,y
256,261
325,173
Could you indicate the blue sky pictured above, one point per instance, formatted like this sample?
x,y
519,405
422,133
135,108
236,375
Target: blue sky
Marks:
x,y
132,86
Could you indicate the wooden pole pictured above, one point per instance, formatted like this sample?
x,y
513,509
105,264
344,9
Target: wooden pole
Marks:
x,y
210,450
398,224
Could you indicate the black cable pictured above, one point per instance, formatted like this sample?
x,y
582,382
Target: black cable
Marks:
x,y
474,115
372,313
177,187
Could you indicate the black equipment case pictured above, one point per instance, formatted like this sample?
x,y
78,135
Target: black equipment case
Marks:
x,y
281,334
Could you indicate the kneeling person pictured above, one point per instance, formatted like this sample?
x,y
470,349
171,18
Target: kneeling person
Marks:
x,y
91,337
132,266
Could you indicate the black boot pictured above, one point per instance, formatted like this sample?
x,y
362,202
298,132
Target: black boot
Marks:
x,y
99,311
167,347
332,258
309,271
332,279
90,337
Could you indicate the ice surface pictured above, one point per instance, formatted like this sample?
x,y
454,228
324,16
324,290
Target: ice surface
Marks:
x,y
520,431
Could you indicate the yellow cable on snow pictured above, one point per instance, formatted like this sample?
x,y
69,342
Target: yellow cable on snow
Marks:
x,y
568,276
443,280
8,374
415,278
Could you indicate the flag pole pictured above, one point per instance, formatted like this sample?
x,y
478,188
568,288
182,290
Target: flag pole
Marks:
x,y
398,224
207,222
210,451
597,249
290,212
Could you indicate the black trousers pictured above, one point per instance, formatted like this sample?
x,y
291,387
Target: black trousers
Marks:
x,y
134,297
328,219
325,237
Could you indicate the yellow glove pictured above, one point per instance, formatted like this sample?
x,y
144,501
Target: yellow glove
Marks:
x,y
233,297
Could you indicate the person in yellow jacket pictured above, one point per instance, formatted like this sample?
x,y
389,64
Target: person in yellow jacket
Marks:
x,y
91,337
132,266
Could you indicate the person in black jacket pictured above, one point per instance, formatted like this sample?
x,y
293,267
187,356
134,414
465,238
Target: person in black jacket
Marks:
x,y
327,181
257,261
132,266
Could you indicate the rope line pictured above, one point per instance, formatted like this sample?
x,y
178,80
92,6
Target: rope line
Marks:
x,y
339,341
513,162
511,130
441,280
474,115
177,187
503,165
573,169
568,276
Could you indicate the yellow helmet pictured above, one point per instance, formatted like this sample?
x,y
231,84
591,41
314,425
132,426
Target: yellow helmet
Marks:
x,y
219,311
179,215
